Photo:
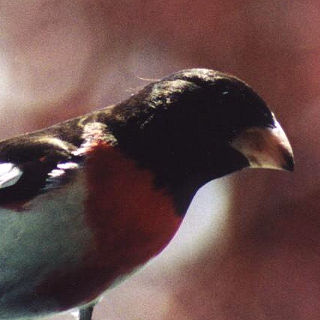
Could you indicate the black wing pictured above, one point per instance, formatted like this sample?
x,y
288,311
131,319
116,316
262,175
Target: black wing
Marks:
x,y
29,167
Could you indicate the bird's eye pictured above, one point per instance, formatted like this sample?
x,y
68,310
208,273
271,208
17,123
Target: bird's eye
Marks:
x,y
233,133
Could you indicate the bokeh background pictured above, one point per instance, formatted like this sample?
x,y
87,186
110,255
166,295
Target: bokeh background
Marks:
x,y
250,245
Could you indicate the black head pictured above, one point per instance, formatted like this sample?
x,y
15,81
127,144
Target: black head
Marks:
x,y
223,104
182,127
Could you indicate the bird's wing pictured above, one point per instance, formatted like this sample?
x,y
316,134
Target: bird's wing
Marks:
x,y
60,175
35,167
9,174
40,162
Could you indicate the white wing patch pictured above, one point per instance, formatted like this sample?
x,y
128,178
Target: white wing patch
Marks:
x,y
9,174
61,169
67,165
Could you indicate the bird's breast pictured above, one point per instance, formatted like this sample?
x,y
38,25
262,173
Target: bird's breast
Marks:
x,y
130,221
73,243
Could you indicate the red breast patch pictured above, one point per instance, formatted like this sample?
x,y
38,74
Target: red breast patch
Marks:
x,y
130,219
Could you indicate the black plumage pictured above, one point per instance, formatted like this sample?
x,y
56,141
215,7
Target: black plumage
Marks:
x,y
179,127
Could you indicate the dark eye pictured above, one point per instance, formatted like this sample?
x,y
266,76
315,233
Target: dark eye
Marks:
x,y
233,133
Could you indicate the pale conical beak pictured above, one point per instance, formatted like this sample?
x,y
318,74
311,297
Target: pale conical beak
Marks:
x,y
265,147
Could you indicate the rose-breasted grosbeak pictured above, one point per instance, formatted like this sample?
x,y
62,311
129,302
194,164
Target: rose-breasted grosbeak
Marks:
x,y
86,201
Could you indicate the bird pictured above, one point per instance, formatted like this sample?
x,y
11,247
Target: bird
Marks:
x,y
86,202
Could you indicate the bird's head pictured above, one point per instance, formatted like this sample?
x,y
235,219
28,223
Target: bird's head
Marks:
x,y
199,124
224,112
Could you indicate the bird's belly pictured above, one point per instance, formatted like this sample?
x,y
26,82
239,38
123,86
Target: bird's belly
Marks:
x,y
50,235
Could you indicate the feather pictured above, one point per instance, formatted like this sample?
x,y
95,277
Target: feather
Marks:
x,y
9,174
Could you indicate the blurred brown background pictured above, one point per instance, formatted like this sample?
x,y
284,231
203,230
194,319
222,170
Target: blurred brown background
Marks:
x,y
250,247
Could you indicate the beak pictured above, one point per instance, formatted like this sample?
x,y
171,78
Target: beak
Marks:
x,y
265,147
